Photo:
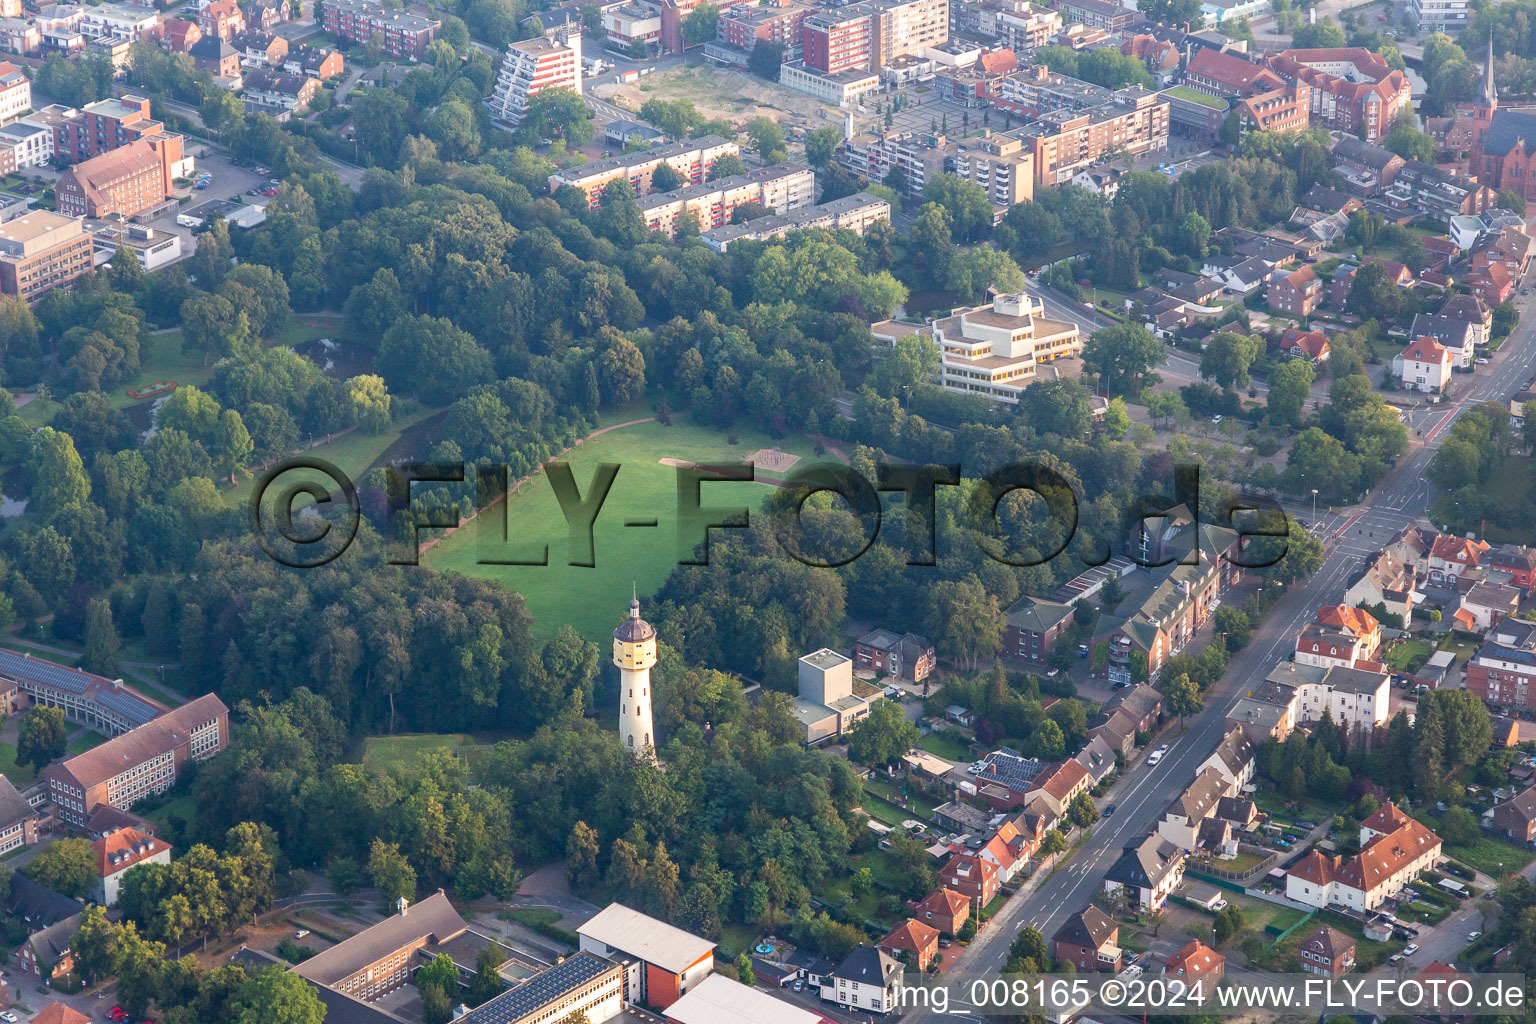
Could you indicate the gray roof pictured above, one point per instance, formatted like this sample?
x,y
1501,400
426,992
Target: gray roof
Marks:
x,y
433,918
1201,797
1140,700
1508,129
866,965
13,806
1038,615
542,989
39,905
1355,151
1089,928
1144,863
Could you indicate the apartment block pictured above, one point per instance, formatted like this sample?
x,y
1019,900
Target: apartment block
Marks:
x,y
1352,89
530,67
1002,165
400,34
745,25
692,161
631,24
837,40
133,24
854,213
1024,28
42,250
1287,108
1102,14
918,155
1065,142
1036,90
781,189
24,145
15,92
906,26
1448,16
222,19
142,761
101,127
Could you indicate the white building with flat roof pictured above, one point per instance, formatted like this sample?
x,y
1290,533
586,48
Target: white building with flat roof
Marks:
x,y
722,1000
663,963
997,351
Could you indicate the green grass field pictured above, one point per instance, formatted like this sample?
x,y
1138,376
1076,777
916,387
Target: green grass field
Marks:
x,y
85,742
947,745
20,775
351,453
1409,655
382,752
591,599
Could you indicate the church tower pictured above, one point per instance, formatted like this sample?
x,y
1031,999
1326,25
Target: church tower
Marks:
x,y
1488,95
634,652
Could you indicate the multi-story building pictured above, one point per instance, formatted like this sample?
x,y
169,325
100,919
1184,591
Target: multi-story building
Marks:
x,y
1149,869
41,250
837,40
856,213
1036,89
126,181
1198,966
260,47
24,145
780,188
826,706
898,655
1425,365
1002,165
867,979
100,704
1022,28
380,959
20,822
277,93
1449,16
179,34
918,155
1034,626
1228,75
153,249
18,36
15,92
314,62
906,26
1394,850
117,853
661,962
1090,941
998,350
744,25
839,88
1435,193
1328,952
1099,14
530,67
100,127
1065,142
692,161
221,18
580,987
971,876
400,34
1352,89
1299,292
216,56
1285,108
133,24
139,762
1503,672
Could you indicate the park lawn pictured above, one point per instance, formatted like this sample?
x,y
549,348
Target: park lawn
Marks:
x,y
946,745
1409,655
383,752
644,489
20,775
182,806
351,453
162,358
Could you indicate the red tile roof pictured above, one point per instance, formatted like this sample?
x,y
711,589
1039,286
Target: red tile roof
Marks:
x,y
129,846
943,901
1196,958
999,61
1451,548
1356,621
1426,350
912,936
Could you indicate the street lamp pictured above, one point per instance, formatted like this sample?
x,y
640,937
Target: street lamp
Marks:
x,y
1314,506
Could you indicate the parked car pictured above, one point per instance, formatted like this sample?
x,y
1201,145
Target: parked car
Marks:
x,y
1491,894
1219,905
1217,418
1395,958
1481,361
945,943
1410,949
1308,825
8,1017
799,985
1474,936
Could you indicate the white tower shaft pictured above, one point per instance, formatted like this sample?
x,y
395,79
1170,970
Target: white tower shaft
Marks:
x,y
634,652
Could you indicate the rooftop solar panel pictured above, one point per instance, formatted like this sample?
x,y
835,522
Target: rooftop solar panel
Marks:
x,y
130,707
22,668
517,1003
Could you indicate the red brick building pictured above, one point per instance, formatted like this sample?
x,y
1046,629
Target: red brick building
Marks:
x,y
917,940
1299,292
125,182
1352,89
1090,940
1199,966
971,877
945,910
1327,951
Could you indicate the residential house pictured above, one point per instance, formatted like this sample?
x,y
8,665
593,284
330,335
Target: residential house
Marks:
x,y
1097,758
1299,292
1518,561
1366,168
1387,580
181,34
260,47
1486,604
1198,966
1451,556
971,876
1142,702
1034,625
1394,850
216,55
1234,759
314,62
1473,310
20,822
1117,730
51,921
1492,284
867,979
902,656
945,910
1181,822
1299,344
117,853
1425,365
1503,670
1149,870
1060,784
276,93
918,941
1515,819
1327,951
1003,849
1457,336
1090,940
221,19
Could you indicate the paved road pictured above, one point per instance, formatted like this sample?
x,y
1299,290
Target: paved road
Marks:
x,y
1140,797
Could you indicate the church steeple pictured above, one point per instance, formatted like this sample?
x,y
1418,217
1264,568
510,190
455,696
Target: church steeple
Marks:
x,y
1488,98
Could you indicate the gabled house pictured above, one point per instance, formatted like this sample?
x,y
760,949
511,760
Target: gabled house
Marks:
x,y
1309,345
1515,819
1425,365
1149,870
945,910
1199,966
867,979
1473,310
1142,702
1487,604
1518,561
1090,940
1034,626
1097,759
1234,759
1492,284
1299,292
1181,822
1387,580
1456,335
919,941
1394,850
1002,850
1327,951
972,877
1060,784
1452,555
899,655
